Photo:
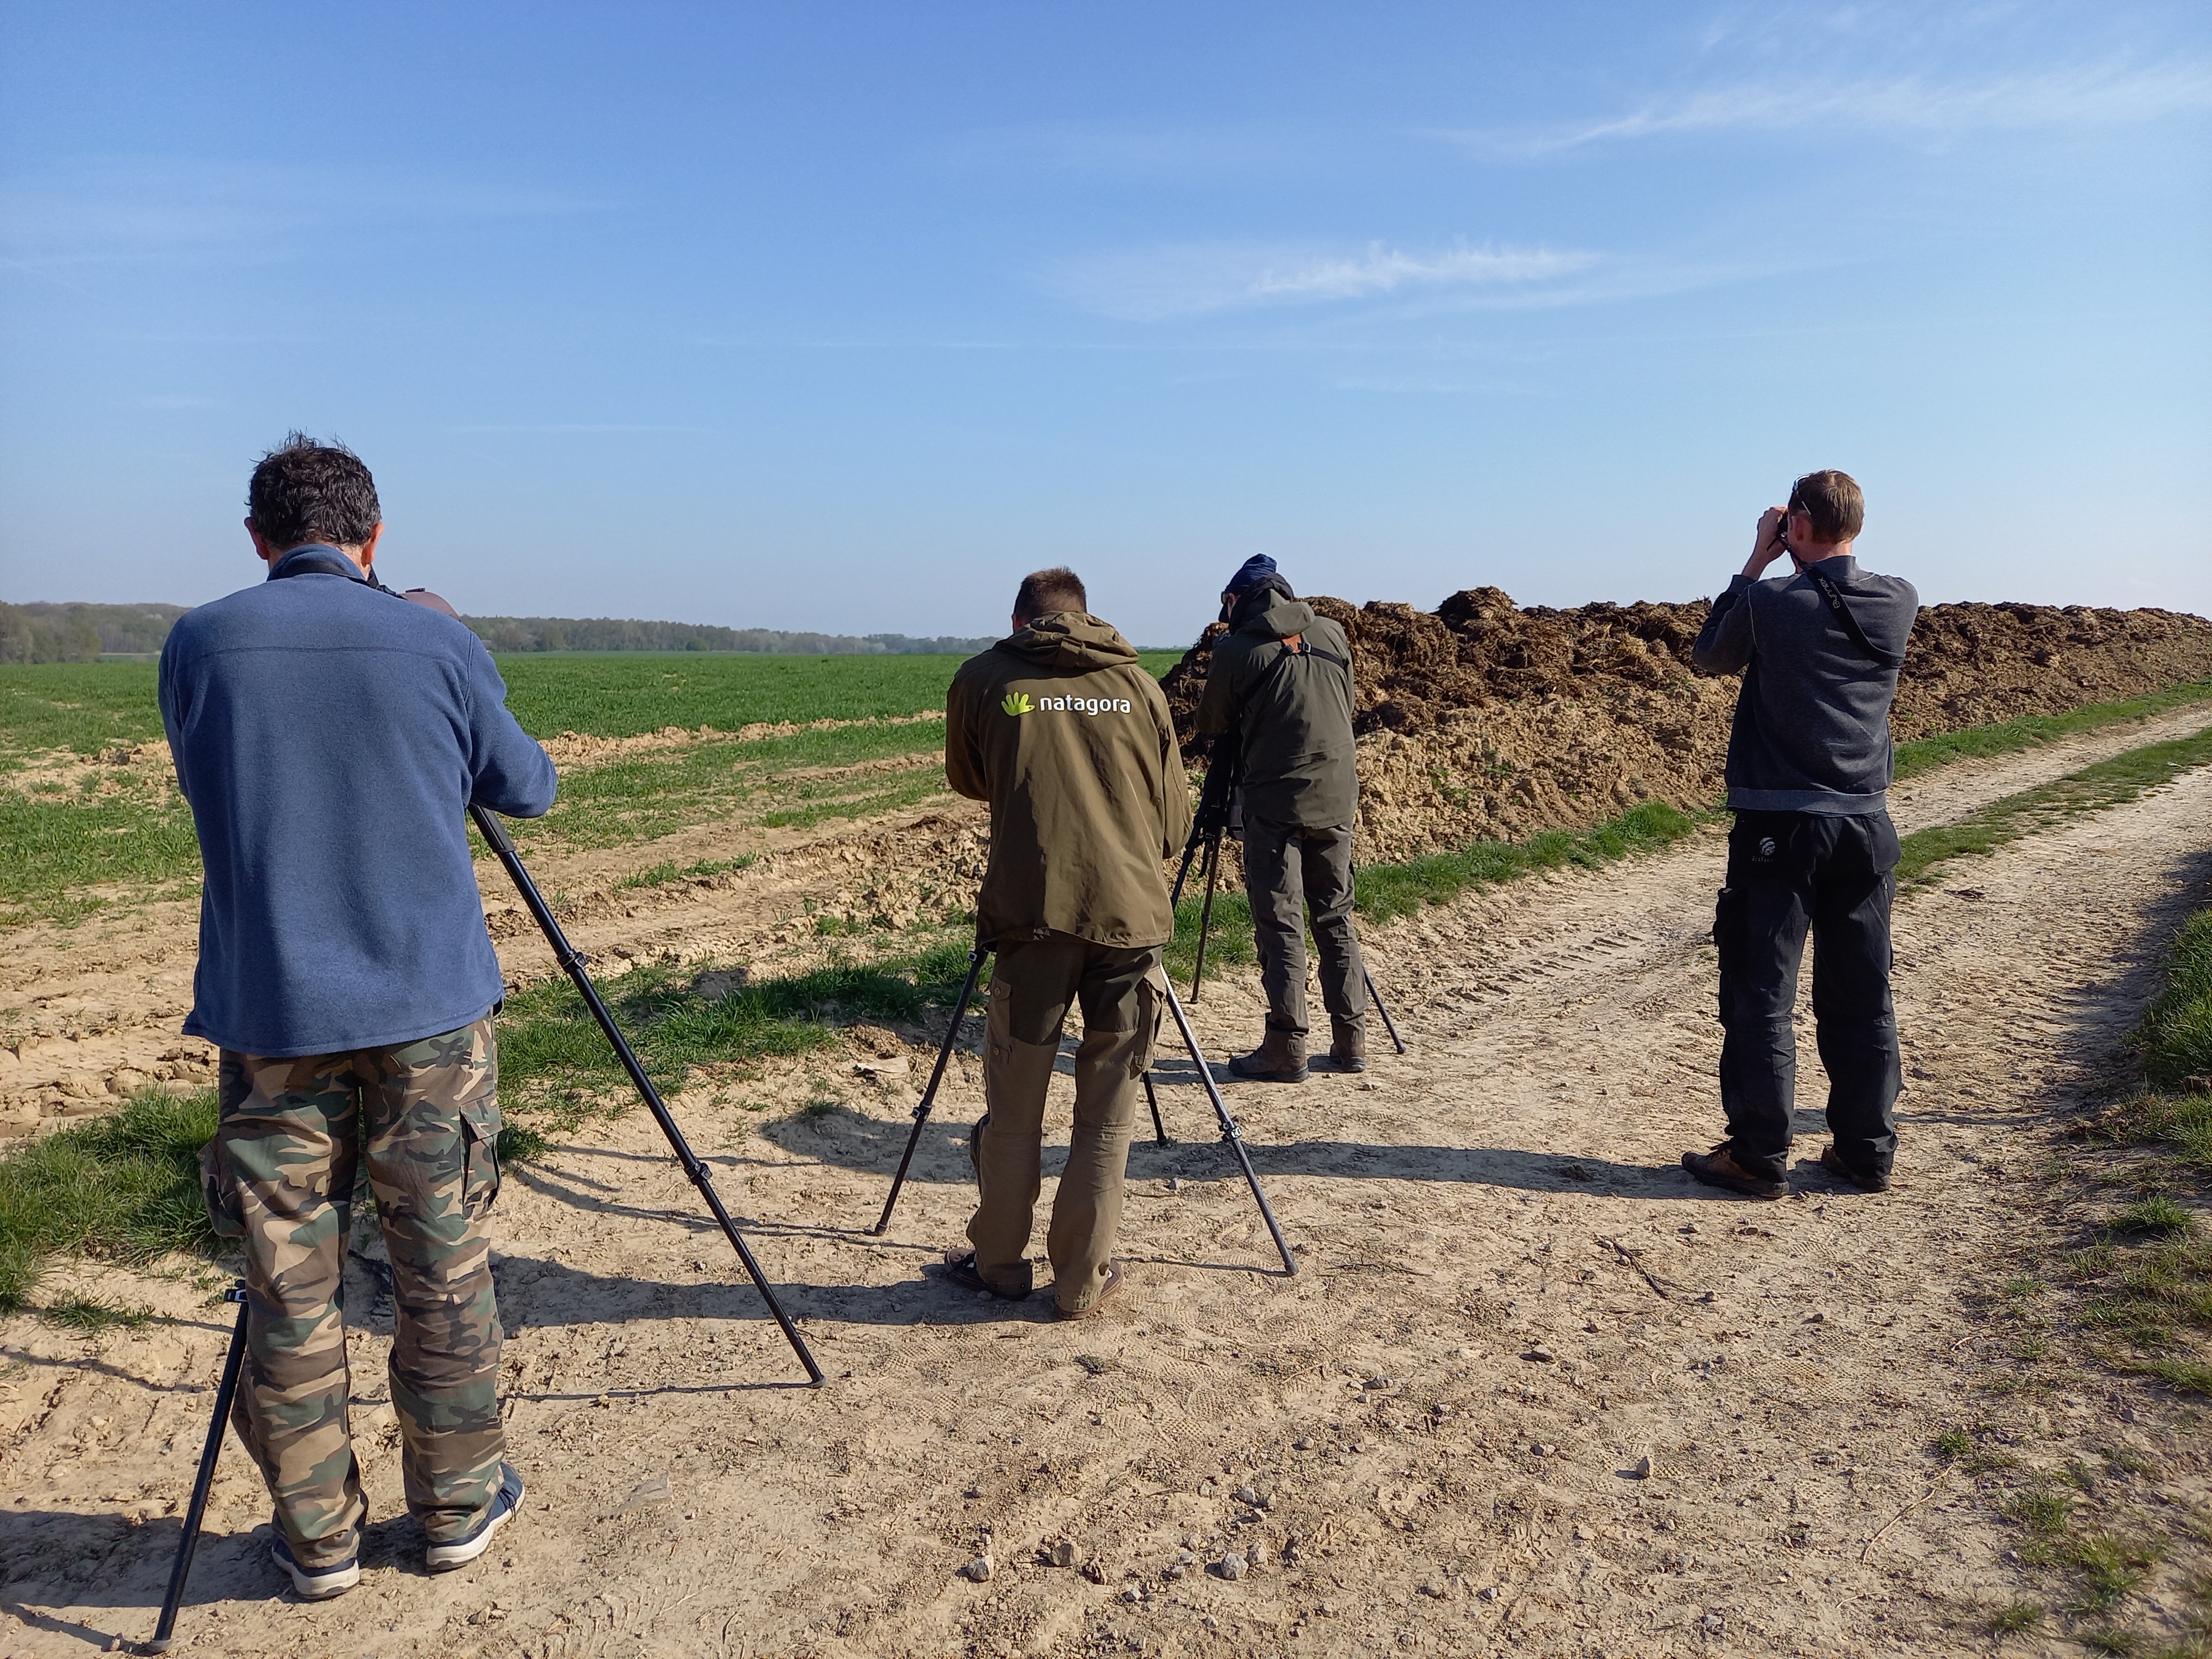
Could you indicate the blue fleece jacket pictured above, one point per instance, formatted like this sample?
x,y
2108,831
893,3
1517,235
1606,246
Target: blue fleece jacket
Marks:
x,y
330,737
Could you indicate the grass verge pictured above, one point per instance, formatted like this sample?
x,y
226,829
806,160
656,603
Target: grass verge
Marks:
x,y
124,1188
2108,783
555,1063
2034,731
2147,1277
1385,891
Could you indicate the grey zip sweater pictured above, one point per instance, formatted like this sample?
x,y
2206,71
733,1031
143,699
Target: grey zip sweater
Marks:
x,y
1811,722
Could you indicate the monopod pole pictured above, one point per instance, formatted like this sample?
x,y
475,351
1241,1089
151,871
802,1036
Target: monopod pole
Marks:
x,y
929,1094
1232,1136
1388,1024
573,963
196,1511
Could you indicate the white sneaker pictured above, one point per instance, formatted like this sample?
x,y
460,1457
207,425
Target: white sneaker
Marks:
x,y
506,1504
317,1583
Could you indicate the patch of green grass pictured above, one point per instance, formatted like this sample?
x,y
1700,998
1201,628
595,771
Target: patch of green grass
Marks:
x,y
2042,1510
125,1187
517,1143
82,708
1386,890
668,873
2108,783
89,1315
550,1048
1953,1443
2176,1033
625,695
2158,1215
2110,1565
2012,1619
2032,731
51,852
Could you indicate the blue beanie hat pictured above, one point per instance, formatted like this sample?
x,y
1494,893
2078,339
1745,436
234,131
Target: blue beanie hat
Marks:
x,y
1249,572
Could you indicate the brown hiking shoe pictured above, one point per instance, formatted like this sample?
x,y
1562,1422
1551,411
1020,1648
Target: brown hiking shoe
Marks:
x,y
1280,1058
1348,1050
1718,1167
1833,1162
1107,1285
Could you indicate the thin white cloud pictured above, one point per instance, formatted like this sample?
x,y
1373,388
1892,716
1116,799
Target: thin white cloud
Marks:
x,y
1193,279
110,211
1920,106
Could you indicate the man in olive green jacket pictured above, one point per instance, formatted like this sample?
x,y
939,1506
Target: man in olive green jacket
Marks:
x,y
1280,681
1068,737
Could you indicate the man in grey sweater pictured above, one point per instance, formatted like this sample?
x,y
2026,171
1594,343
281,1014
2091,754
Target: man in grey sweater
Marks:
x,y
1813,847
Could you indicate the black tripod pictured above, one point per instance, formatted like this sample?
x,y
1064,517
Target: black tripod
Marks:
x,y
188,1546
1207,830
1232,1135
573,963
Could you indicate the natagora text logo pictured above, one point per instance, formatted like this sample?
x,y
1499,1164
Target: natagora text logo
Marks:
x,y
1019,702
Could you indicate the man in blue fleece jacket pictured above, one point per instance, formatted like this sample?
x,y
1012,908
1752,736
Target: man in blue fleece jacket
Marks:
x,y
1813,849
330,739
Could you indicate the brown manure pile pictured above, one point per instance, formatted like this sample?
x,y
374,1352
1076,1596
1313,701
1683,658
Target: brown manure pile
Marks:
x,y
1479,718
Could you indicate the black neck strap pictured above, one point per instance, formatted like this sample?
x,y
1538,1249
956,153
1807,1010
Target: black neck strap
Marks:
x,y
1828,590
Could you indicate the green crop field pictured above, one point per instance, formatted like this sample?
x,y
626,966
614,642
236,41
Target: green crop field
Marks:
x,y
75,841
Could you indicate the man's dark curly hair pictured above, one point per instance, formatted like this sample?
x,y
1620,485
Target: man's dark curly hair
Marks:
x,y
303,491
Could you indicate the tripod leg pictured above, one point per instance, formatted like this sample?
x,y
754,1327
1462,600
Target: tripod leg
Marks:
x,y
1388,1024
929,1094
196,1511
1153,1100
573,963
1205,916
1230,1134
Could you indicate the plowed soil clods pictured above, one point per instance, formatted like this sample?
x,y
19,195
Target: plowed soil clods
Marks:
x,y
1480,719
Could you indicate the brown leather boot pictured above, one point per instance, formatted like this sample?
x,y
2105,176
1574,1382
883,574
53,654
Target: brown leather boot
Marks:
x,y
1347,1048
1280,1058
1718,1167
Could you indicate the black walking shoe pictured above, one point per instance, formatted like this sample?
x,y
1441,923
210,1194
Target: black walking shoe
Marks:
x,y
1280,1058
1833,1162
960,1267
317,1583
1718,1167
506,1504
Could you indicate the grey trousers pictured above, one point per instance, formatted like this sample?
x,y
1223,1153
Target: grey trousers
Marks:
x,y
1288,871
1033,983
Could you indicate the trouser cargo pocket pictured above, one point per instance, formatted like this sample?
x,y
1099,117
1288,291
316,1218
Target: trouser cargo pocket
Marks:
x,y
480,1180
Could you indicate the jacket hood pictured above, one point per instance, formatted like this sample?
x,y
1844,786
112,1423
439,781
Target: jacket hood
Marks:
x,y
1073,639
1273,615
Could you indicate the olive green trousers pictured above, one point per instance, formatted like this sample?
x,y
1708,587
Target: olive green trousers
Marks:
x,y
1034,982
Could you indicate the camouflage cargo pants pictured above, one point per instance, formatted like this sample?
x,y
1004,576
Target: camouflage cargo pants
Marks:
x,y
280,1177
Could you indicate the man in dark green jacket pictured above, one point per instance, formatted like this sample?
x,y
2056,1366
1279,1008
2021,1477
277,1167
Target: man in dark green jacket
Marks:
x,y
1063,731
1281,683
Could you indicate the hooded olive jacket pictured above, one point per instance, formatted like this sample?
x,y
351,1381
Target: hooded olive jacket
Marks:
x,y
1062,731
1291,712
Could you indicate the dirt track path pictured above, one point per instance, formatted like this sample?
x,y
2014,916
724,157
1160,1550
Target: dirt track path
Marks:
x,y
1507,1189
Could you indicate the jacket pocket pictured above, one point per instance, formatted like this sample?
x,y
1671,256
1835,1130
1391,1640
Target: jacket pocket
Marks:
x,y
480,1176
219,1190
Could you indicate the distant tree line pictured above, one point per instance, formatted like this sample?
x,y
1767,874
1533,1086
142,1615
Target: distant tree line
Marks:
x,y
609,634
80,632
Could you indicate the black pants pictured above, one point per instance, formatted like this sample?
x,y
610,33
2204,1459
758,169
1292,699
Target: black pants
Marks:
x,y
1288,870
1788,871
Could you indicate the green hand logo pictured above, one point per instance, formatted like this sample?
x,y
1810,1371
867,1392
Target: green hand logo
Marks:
x,y
1017,702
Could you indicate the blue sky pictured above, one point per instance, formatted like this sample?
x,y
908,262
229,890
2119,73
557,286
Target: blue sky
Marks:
x,y
843,316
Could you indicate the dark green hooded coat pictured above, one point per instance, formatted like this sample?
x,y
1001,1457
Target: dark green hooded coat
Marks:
x,y
1291,712
1065,734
